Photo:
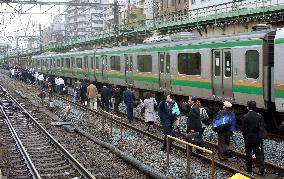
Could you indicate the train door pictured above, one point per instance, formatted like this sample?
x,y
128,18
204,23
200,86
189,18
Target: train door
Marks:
x,y
222,74
104,67
164,66
128,69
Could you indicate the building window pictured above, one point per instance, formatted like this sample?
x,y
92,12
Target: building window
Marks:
x,y
97,63
144,63
79,62
67,62
115,63
86,65
189,63
252,64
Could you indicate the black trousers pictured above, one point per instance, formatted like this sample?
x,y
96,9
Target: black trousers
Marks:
x,y
257,149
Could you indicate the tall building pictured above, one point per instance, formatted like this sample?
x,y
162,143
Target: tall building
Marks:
x,y
151,11
172,7
83,20
55,32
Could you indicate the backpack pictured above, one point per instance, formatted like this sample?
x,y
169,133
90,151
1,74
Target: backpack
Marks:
x,y
204,116
262,133
222,123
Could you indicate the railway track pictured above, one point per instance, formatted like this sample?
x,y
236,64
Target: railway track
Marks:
x,y
158,137
43,155
238,166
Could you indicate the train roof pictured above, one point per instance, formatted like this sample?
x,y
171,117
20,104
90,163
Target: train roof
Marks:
x,y
256,35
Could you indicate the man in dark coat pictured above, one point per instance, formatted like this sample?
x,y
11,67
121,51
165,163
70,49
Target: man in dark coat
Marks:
x,y
250,128
117,99
128,98
165,114
194,122
83,90
105,97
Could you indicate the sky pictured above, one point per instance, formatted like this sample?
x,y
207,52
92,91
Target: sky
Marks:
x,y
17,24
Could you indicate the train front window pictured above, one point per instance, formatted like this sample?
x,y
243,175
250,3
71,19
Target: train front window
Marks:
x,y
115,63
189,63
252,64
144,63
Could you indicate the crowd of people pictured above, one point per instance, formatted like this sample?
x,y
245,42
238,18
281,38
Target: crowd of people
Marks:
x,y
167,111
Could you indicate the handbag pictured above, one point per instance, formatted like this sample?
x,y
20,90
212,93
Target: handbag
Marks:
x,y
262,133
193,138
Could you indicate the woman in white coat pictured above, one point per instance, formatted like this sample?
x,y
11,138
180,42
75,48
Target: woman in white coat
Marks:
x,y
150,113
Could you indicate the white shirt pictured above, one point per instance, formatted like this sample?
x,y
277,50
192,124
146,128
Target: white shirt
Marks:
x,y
56,81
12,72
60,81
40,77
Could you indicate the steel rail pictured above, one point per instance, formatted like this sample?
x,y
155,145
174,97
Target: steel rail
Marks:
x,y
183,149
21,147
79,166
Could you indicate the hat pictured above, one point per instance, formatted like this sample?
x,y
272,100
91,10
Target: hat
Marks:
x,y
227,104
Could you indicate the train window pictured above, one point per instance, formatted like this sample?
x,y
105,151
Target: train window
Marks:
x,y
97,63
79,62
252,64
58,62
38,63
228,64
92,62
67,62
162,62
126,62
131,63
86,65
115,63
168,63
62,62
189,63
73,62
144,63
217,63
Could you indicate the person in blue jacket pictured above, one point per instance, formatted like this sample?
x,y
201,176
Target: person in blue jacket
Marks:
x,y
224,135
165,114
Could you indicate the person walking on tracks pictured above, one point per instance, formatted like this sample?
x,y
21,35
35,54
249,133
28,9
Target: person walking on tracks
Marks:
x,y
128,98
150,113
117,99
92,93
223,126
194,126
105,97
165,114
252,126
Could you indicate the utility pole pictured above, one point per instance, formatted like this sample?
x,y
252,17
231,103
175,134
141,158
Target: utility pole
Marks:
x,y
116,19
18,54
40,38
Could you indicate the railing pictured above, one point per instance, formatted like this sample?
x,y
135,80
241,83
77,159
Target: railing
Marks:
x,y
189,147
236,8
214,12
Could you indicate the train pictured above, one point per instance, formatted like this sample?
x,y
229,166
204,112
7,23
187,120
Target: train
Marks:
x,y
237,68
